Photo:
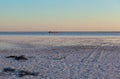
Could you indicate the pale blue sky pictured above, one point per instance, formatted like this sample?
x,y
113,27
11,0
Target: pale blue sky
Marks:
x,y
70,15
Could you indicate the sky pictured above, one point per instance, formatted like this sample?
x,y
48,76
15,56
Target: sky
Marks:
x,y
59,15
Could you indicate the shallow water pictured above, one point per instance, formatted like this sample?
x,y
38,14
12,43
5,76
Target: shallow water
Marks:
x,y
61,33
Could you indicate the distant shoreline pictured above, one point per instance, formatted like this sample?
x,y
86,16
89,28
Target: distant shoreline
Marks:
x,y
59,31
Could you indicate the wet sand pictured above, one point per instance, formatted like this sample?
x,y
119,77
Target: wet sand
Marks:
x,y
59,57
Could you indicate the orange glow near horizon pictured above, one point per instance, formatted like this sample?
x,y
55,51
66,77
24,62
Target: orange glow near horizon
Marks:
x,y
50,15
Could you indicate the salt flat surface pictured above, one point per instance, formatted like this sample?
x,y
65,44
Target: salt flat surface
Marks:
x,y
61,57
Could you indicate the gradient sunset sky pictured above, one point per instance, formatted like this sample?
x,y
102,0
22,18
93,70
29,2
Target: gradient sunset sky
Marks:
x,y
59,15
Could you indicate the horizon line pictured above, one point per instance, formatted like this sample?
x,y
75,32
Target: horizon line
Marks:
x,y
52,31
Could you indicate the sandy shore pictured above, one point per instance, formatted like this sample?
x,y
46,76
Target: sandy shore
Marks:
x,y
59,57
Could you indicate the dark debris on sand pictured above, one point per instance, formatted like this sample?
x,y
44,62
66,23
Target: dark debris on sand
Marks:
x,y
18,72
18,58
8,70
